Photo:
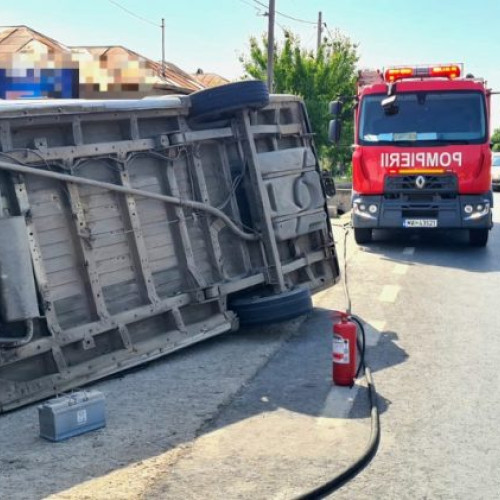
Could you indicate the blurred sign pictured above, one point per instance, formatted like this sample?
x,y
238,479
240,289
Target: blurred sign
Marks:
x,y
38,83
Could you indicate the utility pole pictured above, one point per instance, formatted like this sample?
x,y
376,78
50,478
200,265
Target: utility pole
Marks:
x,y
270,46
162,46
320,31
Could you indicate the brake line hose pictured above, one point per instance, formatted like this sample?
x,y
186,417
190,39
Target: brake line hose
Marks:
x,y
195,205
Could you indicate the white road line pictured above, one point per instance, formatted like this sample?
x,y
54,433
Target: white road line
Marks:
x,y
389,293
409,251
339,402
400,268
373,329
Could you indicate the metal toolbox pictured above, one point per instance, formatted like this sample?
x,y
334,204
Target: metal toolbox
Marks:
x,y
71,414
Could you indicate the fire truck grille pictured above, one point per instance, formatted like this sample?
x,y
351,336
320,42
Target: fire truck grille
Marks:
x,y
421,184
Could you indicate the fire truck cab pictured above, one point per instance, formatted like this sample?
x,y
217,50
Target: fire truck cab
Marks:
x,y
421,154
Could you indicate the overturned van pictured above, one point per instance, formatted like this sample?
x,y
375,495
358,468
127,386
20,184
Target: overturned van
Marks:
x,y
131,229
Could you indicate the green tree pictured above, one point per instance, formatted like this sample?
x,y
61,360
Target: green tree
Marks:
x,y
318,79
495,139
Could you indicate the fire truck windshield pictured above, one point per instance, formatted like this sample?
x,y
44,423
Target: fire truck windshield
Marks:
x,y
453,117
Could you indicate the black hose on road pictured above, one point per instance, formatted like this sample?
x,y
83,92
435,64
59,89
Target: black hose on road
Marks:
x,y
357,466
371,449
361,344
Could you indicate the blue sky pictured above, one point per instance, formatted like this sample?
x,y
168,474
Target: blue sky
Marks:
x,y
212,34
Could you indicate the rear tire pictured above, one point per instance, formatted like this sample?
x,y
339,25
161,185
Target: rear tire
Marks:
x,y
478,237
260,308
362,235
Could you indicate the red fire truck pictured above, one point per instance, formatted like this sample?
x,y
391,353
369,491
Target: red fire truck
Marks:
x,y
421,154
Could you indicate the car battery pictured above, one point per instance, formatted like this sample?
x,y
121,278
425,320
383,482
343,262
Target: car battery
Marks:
x,y
71,414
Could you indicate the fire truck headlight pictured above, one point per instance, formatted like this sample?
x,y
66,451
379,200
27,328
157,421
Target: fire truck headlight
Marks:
x,y
480,208
373,209
362,207
468,209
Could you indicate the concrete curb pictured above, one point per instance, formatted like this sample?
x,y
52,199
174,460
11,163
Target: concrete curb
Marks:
x,y
341,202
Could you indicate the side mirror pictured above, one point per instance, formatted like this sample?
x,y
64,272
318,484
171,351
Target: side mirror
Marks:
x,y
336,108
328,183
390,105
334,130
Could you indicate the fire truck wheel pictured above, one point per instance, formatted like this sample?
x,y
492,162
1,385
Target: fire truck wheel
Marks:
x,y
478,237
261,308
362,235
223,101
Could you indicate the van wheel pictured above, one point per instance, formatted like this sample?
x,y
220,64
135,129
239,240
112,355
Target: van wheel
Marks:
x,y
362,235
260,308
223,101
478,237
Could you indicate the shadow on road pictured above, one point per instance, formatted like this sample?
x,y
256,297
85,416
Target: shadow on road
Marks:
x,y
297,379
438,248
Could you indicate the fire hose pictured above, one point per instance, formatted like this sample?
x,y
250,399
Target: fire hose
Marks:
x,y
371,449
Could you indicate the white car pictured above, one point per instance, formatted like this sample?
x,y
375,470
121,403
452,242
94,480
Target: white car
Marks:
x,y
495,171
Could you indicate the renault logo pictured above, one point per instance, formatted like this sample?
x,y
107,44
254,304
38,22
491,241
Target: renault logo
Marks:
x,y
420,181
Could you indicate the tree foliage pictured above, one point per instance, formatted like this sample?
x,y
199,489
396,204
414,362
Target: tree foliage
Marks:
x,y
495,140
318,79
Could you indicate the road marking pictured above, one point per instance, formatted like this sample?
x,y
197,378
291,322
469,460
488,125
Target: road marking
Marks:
x,y
389,293
373,329
339,402
400,268
409,251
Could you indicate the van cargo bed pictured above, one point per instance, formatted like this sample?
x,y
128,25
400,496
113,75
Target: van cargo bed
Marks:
x,y
167,220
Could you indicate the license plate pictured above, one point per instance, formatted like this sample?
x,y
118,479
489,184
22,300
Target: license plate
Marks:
x,y
420,223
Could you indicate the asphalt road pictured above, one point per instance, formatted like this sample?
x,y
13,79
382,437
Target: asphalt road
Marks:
x,y
436,365
431,306
254,415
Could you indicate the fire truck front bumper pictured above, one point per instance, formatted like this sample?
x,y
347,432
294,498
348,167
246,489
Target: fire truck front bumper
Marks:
x,y
459,212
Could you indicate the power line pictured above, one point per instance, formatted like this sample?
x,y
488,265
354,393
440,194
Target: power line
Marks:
x,y
286,15
143,19
250,4
285,30
328,30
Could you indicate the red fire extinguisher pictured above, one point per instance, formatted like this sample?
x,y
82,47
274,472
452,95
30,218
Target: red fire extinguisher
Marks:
x,y
344,351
